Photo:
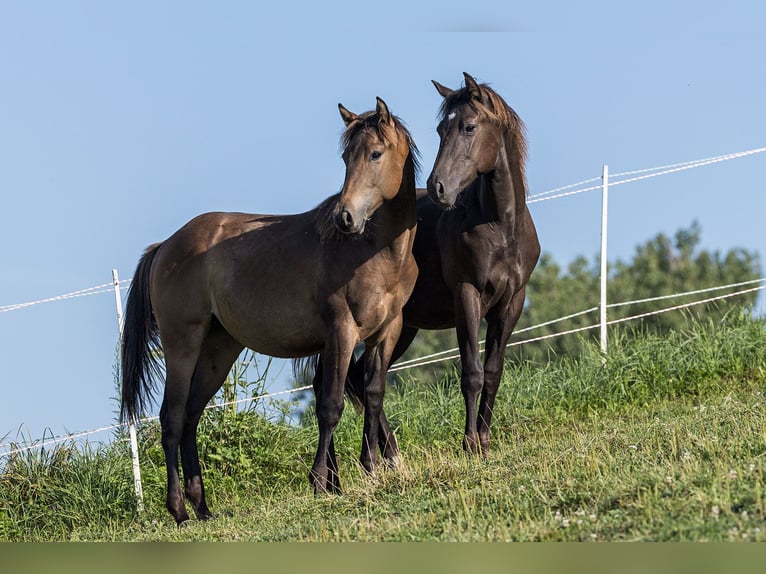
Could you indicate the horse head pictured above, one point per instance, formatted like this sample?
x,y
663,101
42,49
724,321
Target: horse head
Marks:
x,y
472,135
376,147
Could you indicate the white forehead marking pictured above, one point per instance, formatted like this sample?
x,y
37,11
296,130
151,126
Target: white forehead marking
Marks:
x,y
451,116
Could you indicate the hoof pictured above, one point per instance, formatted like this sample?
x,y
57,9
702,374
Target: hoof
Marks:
x,y
471,447
394,462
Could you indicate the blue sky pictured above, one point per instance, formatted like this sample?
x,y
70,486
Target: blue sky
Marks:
x,y
121,121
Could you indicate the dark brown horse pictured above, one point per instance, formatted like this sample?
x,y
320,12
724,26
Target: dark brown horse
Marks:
x,y
282,285
476,247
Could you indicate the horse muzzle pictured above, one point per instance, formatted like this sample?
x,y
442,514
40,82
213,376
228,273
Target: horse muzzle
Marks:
x,y
349,224
438,194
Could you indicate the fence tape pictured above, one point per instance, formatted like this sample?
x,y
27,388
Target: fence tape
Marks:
x,y
655,172
695,292
98,289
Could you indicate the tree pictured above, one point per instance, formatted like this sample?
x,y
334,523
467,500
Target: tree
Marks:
x,y
661,266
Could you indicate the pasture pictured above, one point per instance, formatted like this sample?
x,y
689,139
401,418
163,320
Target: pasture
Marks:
x,y
664,442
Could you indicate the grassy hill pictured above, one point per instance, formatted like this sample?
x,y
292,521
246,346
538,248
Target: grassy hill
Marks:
x,y
665,442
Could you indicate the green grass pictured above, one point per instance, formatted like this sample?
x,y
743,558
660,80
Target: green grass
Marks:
x,y
663,442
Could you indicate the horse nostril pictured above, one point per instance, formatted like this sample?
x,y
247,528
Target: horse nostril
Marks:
x,y
439,189
346,220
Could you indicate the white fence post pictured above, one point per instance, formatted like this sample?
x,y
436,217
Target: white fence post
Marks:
x,y
604,214
132,424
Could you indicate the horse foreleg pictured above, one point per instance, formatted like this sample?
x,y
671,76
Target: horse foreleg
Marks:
x,y
387,443
333,477
333,474
329,406
499,329
467,320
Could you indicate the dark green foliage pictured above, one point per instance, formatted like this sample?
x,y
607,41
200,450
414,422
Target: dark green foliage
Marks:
x,y
662,266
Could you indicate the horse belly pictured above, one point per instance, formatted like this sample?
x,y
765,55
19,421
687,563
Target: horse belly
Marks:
x,y
278,322
277,335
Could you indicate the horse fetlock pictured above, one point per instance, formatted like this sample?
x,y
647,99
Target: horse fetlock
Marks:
x,y
393,462
203,513
484,443
319,479
333,483
369,461
175,505
390,450
471,444
194,491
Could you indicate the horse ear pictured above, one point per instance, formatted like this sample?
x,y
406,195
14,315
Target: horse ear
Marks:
x,y
382,109
444,91
347,116
473,87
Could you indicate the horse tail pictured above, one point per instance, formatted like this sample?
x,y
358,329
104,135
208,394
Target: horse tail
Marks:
x,y
354,386
140,340
305,369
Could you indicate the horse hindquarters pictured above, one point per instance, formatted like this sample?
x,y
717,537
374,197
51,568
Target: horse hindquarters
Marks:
x,y
139,364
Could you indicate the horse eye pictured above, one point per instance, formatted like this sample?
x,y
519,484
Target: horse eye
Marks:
x,y
375,155
470,128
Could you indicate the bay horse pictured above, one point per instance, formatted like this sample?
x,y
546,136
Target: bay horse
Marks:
x,y
476,247
283,285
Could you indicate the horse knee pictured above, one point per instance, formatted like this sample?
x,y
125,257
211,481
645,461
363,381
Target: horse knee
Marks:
x,y
328,415
471,382
493,374
373,398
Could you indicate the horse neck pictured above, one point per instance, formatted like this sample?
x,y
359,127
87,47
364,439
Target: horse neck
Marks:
x,y
503,190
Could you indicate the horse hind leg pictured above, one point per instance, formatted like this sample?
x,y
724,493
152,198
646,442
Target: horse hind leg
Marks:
x,y
180,360
387,443
377,358
389,447
218,353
